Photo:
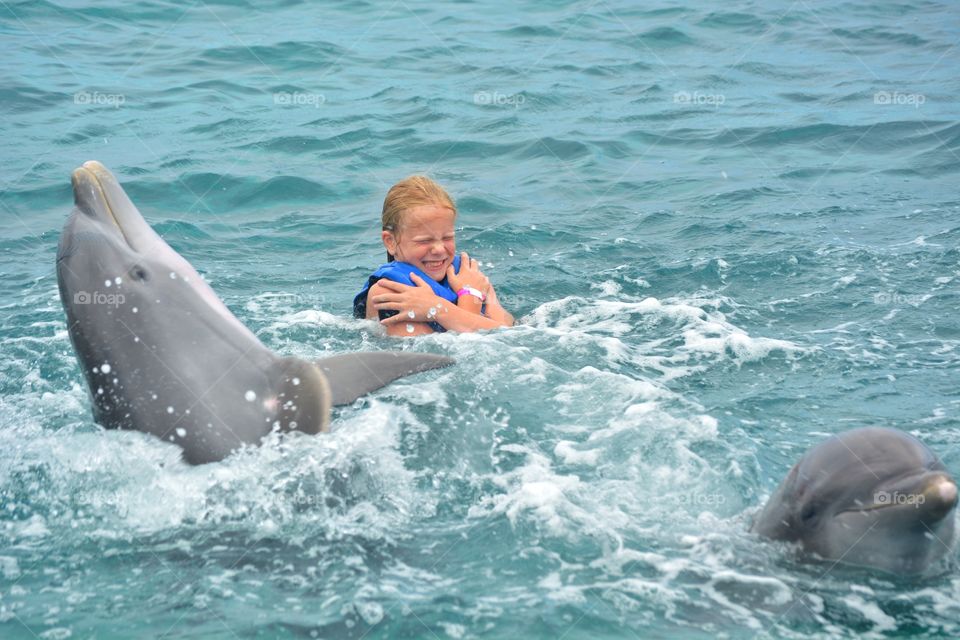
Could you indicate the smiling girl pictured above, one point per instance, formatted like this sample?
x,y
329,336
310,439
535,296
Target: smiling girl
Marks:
x,y
425,287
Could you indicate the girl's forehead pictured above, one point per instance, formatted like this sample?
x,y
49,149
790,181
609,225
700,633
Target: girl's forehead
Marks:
x,y
429,218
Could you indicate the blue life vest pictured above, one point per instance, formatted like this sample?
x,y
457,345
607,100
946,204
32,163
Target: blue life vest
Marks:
x,y
401,272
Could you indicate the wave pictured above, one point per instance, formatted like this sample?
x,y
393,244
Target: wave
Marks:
x,y
734,21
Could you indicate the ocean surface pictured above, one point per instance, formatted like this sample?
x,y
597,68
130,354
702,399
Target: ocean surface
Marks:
x,y
728,230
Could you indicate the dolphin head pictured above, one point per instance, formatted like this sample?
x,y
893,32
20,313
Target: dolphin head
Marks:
x,y
160,351
872,497
108,251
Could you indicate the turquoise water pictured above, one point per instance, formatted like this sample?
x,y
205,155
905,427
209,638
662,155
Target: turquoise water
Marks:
x,y
727,232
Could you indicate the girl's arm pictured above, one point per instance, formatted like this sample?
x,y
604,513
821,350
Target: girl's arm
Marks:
x,y
456,318
398,329
495,310
426,306
471,275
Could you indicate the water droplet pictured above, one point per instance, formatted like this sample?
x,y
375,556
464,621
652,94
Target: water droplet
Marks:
x,y
135,310
169,409
107,283
118,280
182,432
105,367
173,275
296,381
409,328
250,396
411,314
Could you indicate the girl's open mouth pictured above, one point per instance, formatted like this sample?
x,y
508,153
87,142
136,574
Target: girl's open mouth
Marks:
x,y
434,265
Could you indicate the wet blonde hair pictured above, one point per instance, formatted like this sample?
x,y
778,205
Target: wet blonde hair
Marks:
x,y
411,192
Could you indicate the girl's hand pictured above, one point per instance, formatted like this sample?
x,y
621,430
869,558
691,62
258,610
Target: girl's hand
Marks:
x,y
496,311
415,304
469,276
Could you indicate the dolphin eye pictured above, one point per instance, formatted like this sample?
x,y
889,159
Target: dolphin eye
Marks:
x,y
139,273
809,513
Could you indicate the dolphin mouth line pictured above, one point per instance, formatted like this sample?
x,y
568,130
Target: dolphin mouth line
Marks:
x,y
106,202
943,492
875,506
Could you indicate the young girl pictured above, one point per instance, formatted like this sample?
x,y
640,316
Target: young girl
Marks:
x,y
425,287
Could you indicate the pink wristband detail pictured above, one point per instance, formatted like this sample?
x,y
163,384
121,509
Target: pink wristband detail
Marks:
x,y
470,291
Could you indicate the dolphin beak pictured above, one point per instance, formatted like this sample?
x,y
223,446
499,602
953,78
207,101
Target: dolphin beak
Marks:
x,y
90,198
934,498
940,496
99,196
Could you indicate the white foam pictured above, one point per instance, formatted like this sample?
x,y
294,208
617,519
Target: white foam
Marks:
x,y
535,491
627,332
872,612
570,454
9,567
313,317
606,288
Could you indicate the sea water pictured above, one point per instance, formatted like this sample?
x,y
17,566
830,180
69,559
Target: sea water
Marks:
x,y
727,230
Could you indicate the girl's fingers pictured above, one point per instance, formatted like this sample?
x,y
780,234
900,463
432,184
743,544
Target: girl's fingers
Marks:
x,y
420,282
393,286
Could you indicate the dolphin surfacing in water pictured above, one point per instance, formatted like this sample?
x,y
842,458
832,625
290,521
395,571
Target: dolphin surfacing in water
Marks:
x,y
163,355
872,497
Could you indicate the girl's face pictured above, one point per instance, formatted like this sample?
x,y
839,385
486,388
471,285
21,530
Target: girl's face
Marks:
x,y
425,239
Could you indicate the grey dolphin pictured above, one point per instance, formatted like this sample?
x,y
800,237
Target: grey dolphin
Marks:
x,y
873,497
162,354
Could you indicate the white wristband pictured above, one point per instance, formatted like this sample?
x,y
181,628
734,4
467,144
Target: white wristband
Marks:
x,y
470,291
